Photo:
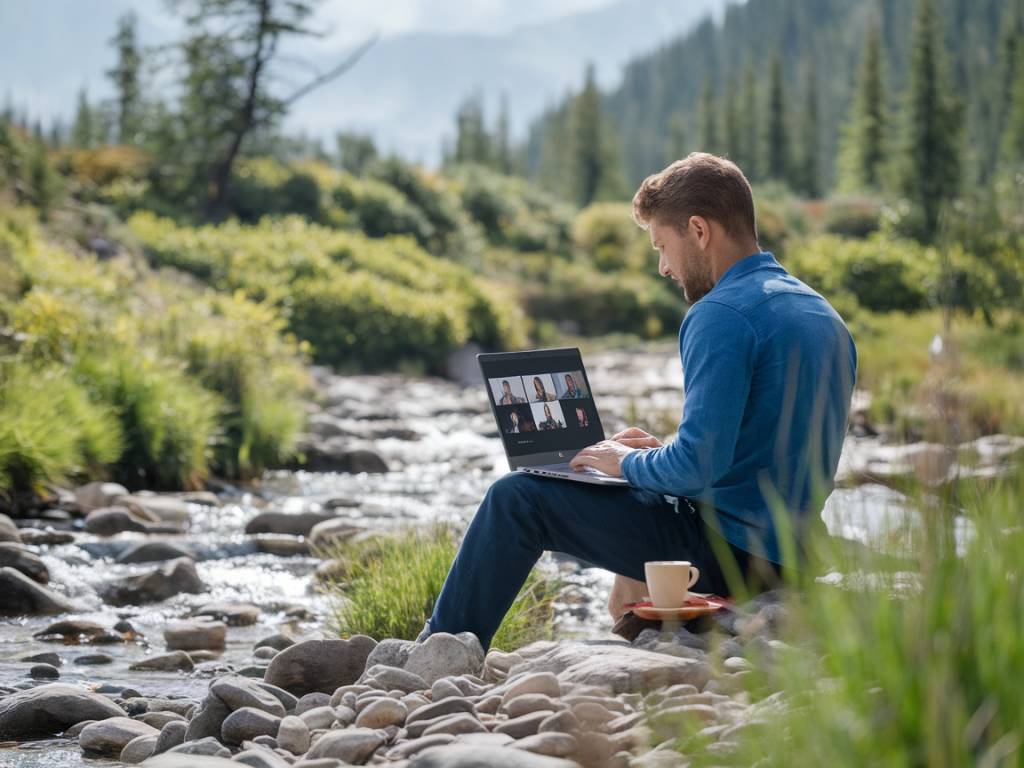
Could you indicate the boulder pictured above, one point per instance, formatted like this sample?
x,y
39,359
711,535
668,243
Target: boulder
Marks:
x,y
17,557
292,524
247,723
44,672
442,654
98,494
8,530
208,747
293,735
350,745
336,455
393,678
138,749
391,652
154,552
186,760
161,508
194,635
110,521
331,532
241,693
172,578
319,665
20,596
165,662
466,756
78,631
619,667
171,735
108,737
232,614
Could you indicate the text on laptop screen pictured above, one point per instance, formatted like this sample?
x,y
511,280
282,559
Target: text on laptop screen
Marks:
x,y
542,404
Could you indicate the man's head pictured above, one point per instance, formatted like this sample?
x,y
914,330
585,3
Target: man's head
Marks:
x,y
698,210
506,387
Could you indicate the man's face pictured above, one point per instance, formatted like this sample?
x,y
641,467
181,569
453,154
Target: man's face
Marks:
x,y
682,259
506,388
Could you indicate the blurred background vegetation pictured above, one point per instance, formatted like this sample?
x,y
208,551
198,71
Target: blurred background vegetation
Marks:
x,y
172,260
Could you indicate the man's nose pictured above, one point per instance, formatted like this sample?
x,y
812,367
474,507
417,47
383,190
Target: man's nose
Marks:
x,y
662,267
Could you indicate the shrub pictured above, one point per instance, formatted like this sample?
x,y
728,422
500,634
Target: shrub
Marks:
x,y
390,586
380,210
606,234
853,216
264,187
779,216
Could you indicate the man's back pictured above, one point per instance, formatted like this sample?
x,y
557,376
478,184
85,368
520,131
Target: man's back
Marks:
x,y
770,369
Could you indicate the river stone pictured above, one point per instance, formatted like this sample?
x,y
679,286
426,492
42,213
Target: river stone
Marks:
x,y
189,635
8,530
110,521
319,717
297,524
560,722
239,692
260,757
336,530
443,654
162,508
20,596
455,724
154,552
172,578
171,735
165,662
438,708
46,537
528,702
247,723
390,652
618,667
98,494
444,688
319,665
351,745
177,760
545,683
288,701
208,746
468,756
293,735
392,678
232,614
335,455
15,556
109,737
93,659
278,642
43,658
138,749
524,725
281,545
208,720
382,713
51,709
159,719
312,701
80,631
409,748
549,743
44,672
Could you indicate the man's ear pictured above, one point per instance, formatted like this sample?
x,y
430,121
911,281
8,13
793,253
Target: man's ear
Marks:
x,y
701,229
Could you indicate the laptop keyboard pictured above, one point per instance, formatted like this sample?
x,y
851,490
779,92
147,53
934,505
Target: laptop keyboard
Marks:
x,y
567,467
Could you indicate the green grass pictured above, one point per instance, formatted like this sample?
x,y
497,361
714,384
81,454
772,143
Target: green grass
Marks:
x,y
389,585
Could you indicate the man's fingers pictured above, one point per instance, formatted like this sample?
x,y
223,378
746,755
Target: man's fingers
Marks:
x,y
630,432
640,442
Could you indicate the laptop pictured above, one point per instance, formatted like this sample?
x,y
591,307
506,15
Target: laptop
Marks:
x,y
545,411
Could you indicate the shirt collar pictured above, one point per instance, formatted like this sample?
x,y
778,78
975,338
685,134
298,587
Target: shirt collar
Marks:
x,y
758,260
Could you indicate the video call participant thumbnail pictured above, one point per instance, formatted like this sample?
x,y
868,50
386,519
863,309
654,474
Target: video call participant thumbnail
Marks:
x,y
582,419
507,390
569,385
548,416
543,388
519,420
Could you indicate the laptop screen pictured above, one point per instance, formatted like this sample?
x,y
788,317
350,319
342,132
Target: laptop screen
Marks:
x,y
542,402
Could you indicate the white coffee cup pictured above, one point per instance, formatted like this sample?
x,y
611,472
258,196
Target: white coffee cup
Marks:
x,y
669,581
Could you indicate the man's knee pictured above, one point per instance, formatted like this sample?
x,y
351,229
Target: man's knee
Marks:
x,y
513,489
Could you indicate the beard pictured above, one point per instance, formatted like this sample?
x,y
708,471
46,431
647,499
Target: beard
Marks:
x,y
695,281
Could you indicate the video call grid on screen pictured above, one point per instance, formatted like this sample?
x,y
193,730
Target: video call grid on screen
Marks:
x,y
542,404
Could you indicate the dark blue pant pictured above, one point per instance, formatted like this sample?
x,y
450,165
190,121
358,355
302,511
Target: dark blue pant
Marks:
x,y
614,528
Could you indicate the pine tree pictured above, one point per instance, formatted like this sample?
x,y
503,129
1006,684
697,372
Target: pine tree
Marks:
x,y
864,148
355,151
42,180
751,114
930,167
807,175
709,130
502,142
1013,133
472,144
125,77
733,128
676,137
777,161
83,130
587,142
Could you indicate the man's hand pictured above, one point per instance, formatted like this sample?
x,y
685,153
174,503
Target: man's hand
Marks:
x,y
636,438
605,456
624,590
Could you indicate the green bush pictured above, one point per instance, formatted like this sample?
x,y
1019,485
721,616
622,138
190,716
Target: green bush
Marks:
x,y
379,210
390,586
779,216
606,235
263,187
852,216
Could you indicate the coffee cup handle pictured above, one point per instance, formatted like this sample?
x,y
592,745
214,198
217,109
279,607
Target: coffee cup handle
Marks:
x,y
694,575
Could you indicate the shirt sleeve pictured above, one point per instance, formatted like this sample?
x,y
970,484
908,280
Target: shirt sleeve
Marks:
x,y
717,346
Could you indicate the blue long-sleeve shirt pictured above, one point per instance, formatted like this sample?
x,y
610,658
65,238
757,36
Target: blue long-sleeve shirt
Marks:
x,y
769,370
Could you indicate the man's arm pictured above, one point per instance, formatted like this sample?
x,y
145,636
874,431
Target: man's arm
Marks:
x,y
717,346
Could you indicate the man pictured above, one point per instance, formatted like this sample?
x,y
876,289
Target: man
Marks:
x,y
507,398
769,368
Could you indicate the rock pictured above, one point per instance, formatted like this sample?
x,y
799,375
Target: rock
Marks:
x,y
207,721
288,701
527,703
110,521
455,724
330,532
440,708
292,524
232,614
43,658
177,760
409,748
334,455
390,652
443,689
560,722
47,537
154,552
8,530
443,654
162,508
382,713
20,596
524,725
260,757
78,631
312,701
172,578
278,642
616,666
239,692
247,723
171,735
320,665
93,659
484,739
208,746
138,749
319,718
188,635
467,756
165,662
44,672
538,682
109,737
15,556
98,494
352,745
391,678
293,735
281,545
159,719
549,743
